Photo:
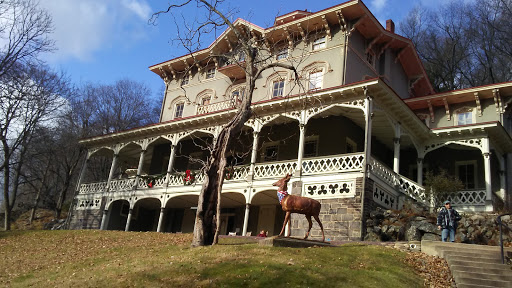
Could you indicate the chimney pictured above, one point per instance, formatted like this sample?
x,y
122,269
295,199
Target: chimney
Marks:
x,y
390,26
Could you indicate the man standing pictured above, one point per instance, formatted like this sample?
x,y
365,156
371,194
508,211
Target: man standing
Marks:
x,y
447,221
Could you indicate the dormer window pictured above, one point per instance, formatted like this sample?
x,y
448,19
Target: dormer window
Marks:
x,y
210,73
178,110
319,43
282,54
464,116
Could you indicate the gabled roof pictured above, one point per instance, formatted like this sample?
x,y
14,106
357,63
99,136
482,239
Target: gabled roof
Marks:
x,y
298,21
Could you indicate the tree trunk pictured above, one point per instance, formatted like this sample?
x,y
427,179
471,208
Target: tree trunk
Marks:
x,y
38,195
7,207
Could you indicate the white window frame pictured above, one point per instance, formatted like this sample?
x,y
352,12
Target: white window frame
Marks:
x,y
319,43
349,141
209,97
468,111
210,72
282,54
176,116
281,89
267,145
317,84
311,139
475,169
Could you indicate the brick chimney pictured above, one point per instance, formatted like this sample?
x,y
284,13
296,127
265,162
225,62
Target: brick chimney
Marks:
x,y
390,26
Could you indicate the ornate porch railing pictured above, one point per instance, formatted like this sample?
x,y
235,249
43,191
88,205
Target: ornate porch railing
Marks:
x,y
89,188
203,109
274,169
404,184
337,163
122,185
468,197
238,173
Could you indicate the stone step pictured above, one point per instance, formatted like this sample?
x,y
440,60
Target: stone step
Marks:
x,y
473,286
476,254
483,260
481,282
458,274
469,263
500,269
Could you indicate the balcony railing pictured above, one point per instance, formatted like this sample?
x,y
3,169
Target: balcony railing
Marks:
x,y
274,169
404,185
338,163
90,188
203,109
468,197
122,185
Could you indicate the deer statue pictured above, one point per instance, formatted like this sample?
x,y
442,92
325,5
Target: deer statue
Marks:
x,y
297,204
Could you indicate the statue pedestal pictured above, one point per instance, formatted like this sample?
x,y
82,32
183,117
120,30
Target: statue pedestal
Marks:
x,y
277,241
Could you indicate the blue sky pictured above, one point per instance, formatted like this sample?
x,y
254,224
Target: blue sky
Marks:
x,y
106,40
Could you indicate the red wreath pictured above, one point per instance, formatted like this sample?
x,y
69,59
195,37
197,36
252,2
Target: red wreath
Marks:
x,y
189,178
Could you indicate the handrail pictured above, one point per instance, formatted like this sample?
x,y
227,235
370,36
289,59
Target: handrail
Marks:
x,y
500,224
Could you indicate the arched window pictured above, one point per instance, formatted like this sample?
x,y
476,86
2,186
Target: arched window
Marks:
x,y
178,107
276,84
314,74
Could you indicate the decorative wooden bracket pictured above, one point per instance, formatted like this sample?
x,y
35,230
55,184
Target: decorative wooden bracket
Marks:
x,y
358,22
289,37
199,68
385,47
165,76
401,53
326,26
478,106
413,83
373,43
173,72
229,45
341,20
447,108
301,31
497,100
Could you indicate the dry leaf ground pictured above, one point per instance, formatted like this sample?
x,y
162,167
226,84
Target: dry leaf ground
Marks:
x,y
92,258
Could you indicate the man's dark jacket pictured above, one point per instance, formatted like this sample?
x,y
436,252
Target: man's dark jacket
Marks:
x,y
443,218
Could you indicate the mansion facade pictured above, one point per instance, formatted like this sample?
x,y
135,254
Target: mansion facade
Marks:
x,y
359,131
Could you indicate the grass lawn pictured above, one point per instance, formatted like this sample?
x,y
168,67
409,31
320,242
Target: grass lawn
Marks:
x,y
91,258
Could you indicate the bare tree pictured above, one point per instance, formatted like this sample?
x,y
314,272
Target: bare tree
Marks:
x,y
31,96
253,58
463,44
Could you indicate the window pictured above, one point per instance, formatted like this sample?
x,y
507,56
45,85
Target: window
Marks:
x,y
271,151
277,88
370,58
238,94
241,56
319,43
350,146
205,101
311,146
178,110
210,73
466,172
185,80
464,118
315,80
282,54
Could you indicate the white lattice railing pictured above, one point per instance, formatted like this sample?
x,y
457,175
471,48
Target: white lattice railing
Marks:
x,y
88,188
275,169
468,197
122,184
203,109
239,173
158,181
338,163
404,185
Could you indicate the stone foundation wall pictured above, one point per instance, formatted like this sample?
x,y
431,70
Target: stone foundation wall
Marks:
x,y
341,218
87,218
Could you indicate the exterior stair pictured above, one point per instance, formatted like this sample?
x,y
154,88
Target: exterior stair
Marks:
x,y
472,265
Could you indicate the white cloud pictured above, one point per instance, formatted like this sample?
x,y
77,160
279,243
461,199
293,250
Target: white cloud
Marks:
x,y
378,5
86,26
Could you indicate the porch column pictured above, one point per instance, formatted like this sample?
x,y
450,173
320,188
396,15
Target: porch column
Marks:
x,y
246,219
396,158
170,165
139,168
103,225
502,177
254,153
160,220
302,128
419,173
487,167
128,220
368,133
112,169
